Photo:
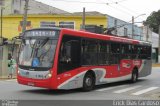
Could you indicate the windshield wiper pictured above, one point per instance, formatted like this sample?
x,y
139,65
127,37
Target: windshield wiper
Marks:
x,y
32,47
44,54
43,43
37,45
40,45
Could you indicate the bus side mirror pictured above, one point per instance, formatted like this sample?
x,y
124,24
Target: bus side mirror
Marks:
x,y
5,41
16,41
23,41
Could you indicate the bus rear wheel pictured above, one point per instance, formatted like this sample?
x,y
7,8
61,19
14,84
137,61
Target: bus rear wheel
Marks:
x,y
88,82
134,77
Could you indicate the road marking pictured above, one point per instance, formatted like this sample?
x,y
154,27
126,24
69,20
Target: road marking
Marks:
x,y
127,89
109,88
144,91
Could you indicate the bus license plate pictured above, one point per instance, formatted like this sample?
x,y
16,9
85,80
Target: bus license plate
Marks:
x,y
30,83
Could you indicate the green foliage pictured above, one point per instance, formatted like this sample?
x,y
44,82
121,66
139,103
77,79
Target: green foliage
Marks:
x,y
153,21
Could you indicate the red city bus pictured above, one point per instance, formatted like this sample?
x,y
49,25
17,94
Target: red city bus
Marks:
x,y
59,58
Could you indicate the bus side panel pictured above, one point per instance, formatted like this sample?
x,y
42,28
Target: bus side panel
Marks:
x,y
104,74
71,79
54,70
126,67
146,68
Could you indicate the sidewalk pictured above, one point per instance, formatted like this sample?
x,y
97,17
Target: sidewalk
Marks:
x,y
6,78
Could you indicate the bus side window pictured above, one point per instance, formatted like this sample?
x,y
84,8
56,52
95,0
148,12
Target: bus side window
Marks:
x,y
65,55
69,56
89,54
115,53
103,55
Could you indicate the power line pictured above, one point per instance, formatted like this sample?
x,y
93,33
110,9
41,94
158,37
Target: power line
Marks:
x,y
80,1
91,2
128,9
106,3
120,10
118,1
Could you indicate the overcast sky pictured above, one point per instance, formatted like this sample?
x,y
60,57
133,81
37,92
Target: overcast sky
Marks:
x,y
122,9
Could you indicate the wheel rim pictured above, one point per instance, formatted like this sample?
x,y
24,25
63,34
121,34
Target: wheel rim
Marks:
x,y
88,81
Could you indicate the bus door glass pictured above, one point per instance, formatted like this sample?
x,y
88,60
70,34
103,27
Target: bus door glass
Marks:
x,y
115,58
126,59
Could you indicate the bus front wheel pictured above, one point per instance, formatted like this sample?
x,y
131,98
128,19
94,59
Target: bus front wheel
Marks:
x,y
88,82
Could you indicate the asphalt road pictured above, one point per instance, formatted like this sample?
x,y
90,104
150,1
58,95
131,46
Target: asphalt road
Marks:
x,y
147,88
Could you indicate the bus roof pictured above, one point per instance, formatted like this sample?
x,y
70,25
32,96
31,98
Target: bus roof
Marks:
x,y
103,37
95,35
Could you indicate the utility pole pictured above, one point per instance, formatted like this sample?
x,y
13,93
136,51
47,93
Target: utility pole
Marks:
x,y
83,19
1,36
1,21
132,27
147,33
159,45
25,15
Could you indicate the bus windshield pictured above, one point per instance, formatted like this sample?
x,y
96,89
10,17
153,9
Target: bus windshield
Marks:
x,y
37,53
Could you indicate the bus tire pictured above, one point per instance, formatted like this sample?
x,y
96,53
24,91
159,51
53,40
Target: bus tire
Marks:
x,y
88,81
134,77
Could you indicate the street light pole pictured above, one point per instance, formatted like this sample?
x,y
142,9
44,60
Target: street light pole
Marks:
x,y
132,27
159,45
133,18
83,19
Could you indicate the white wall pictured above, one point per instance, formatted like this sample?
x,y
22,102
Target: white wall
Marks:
x,y
147,34
155,40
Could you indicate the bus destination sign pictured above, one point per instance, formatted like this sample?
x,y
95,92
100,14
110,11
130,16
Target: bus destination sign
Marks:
x,y
41,33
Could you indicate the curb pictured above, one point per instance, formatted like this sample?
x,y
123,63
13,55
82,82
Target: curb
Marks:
x,y
155,65
2,79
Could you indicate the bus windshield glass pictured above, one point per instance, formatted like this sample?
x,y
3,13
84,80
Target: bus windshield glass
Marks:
x,y
37,52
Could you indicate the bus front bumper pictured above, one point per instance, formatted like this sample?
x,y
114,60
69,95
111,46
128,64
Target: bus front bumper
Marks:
x,y
44,83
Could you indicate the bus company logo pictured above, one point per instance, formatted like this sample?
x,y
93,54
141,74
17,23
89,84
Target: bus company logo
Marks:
x,y
67,75
136,62
126,65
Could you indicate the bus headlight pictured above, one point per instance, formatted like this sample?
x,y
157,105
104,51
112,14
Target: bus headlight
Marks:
x,y
18,72
49,75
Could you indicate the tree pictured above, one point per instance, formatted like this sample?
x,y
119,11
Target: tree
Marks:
x,y
153,21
